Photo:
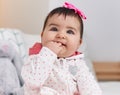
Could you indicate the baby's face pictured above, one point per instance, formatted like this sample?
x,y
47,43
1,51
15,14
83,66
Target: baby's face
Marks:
x,y
63,32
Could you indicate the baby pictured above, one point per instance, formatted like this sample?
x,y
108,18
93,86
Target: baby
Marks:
x,y
54,66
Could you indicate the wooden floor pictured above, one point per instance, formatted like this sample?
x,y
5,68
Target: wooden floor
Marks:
x,y
107,71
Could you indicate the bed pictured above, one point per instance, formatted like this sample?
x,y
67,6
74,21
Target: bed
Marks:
x,y
108,79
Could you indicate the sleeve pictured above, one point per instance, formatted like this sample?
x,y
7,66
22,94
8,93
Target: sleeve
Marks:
x,y
37,70
87,84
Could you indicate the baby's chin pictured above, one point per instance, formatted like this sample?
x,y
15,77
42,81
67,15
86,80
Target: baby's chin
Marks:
x,y
63,55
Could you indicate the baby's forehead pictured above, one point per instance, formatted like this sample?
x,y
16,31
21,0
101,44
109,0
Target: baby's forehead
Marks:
x,y
63,17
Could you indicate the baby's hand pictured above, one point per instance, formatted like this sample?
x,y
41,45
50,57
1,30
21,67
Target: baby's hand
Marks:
x,y
54,46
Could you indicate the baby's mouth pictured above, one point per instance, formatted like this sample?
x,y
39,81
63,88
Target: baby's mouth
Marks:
x,y
62,44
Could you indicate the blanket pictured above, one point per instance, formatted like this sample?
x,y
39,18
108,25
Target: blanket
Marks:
x,y
10,69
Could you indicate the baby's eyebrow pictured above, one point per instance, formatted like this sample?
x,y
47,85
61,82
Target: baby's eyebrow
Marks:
x,y
53,24
72,28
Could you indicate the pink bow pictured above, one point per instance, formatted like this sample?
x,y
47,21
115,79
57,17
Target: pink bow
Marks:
x,y
70,6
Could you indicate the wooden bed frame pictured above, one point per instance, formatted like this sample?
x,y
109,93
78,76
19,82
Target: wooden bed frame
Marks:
x,y
107,71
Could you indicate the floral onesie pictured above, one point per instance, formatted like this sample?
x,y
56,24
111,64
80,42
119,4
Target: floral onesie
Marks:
x,y
45,74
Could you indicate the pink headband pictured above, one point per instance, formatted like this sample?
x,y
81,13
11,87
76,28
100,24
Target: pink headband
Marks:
x,y
70,6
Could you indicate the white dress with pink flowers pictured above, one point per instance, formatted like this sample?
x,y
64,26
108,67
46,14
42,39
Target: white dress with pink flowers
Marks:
x,y
45,74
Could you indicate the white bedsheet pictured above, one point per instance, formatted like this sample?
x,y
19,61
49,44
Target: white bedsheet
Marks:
x,y
110,87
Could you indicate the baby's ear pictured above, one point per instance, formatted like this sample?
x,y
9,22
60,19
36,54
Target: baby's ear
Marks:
x,y
80,41
41,33
79,44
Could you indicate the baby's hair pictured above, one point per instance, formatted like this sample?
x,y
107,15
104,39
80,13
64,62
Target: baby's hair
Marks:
x,y
66,12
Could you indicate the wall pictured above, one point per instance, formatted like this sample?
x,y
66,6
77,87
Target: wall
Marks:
x,y
26,15
102,27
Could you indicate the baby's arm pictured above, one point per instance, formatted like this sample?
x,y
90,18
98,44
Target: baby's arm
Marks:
x,y
37,70
87,84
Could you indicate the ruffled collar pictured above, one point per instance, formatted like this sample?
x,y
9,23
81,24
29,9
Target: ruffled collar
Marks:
x,y
37,47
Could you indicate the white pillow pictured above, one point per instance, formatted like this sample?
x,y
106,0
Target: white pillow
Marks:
x,y
14,37
30,40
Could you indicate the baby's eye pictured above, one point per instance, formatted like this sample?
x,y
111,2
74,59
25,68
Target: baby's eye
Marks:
x,y
70,32
53,29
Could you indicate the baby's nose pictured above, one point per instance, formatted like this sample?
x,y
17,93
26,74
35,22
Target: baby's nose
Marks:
x,y
61,35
